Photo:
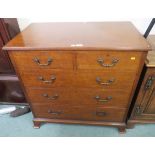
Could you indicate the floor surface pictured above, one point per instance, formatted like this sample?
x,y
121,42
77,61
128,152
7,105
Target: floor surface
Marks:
x,y
22,126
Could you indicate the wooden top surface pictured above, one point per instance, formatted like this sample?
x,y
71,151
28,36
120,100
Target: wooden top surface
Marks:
x,y
79,36
151,54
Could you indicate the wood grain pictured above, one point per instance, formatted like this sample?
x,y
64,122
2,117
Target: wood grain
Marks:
x,y
80,79
78,97
92,36
126,62
79,113
145,100
60,60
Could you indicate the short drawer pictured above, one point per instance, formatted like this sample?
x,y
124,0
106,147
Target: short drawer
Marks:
x,y
49,78
108,60
52,96
78,97
42,59
80,113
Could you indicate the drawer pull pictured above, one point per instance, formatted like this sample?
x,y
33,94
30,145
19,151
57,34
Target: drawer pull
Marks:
x,y
54,97
100,113
113,62
103,100
149,82
49,61
138,110
53,78
110,81
54,112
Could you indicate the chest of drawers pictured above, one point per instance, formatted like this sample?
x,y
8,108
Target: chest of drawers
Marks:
x,y
81,73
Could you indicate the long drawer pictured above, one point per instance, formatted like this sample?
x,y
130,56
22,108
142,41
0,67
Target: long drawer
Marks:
x,y
80,113
43,60
78,97
90,79
108,60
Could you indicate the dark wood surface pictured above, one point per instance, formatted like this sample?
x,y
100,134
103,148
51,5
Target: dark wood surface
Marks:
x,y
72,75
144,109
5,66
12,27
70,36
10,89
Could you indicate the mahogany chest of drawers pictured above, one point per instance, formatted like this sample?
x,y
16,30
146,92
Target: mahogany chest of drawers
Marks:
x,y
81,73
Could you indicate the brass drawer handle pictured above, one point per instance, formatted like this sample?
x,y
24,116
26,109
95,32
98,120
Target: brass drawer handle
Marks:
x,y
54,97
49,61
100,113
110,81
103,100
53,78
113,62
54,112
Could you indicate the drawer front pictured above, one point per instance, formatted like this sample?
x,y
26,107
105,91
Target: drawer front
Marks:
x,y
42,59
105,80
52,96
80,113
108,60
47,78
78,97
89,79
